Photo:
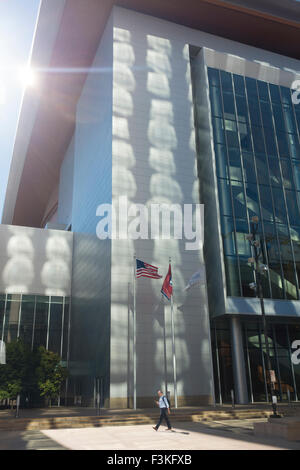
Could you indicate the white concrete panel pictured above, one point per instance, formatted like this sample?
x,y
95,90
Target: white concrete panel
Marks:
x,y
35,261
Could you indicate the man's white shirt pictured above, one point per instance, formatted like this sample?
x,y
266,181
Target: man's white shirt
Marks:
x,y
163,402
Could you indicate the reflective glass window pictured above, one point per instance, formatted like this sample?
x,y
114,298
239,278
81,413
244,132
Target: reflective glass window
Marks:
x,y
287,174
247,277
266,113
254,112
296,168
245,136
266,202
229,109
41,321
235,165
238,199
226,81
249,168
243,245
252,200
274,168
263,90
278,118
292,206
262,168
13,312
231,133
213,76
232,276
275,274
258,140
218,130
274,93
279,205
270,140
225,197
221,161
55,326
283,144
2,310
27,318
286,96
294,146
297,115
228,236
216,102
239,84
251,87
289,119
242,109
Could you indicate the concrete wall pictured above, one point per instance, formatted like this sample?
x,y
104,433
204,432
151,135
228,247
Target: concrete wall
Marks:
x,y
213,247
154,160
90,336
35,261
66,184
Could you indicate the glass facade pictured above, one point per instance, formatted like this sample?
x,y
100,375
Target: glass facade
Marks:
x,y
281,337
38,320
256,139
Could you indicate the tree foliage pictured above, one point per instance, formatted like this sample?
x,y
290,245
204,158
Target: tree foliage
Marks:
x,y
30,373
50,374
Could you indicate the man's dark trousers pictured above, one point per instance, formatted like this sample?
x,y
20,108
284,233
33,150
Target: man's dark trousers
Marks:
x,y
163,415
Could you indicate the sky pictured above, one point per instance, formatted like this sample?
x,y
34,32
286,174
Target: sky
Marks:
x,y
17,25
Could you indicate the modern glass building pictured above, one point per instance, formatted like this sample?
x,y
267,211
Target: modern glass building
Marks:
x,y
189,105
256,139
256,142
37,320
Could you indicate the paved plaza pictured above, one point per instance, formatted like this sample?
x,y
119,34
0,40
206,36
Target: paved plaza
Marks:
x,y
216,435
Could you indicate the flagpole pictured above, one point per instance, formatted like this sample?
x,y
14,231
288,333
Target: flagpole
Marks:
x,y
134,332
165,346
173,346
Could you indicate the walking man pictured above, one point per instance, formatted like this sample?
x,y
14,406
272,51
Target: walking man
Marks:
x,y
164,411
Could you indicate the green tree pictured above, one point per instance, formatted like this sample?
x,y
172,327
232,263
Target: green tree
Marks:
x,y
50,374
14,372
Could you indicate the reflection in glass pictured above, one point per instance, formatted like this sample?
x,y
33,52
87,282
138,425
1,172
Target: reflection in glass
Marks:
x,y
249,168
252,180
247,276
221,161
216,102
235,166
238,198
232,276
262,168
239,84
228,236
225,197
266,202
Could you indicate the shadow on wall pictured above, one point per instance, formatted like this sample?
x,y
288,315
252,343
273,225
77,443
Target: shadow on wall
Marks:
x,y
35,261
154,161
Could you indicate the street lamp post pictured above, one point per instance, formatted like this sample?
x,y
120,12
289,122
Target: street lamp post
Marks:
x,y
257,286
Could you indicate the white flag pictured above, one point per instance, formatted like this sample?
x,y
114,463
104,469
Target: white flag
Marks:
x,y
197,278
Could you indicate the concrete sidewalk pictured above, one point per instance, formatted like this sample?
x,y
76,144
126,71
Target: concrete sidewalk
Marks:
x,y
215,435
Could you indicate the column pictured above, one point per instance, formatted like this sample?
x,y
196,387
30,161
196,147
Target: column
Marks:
x,y
238,360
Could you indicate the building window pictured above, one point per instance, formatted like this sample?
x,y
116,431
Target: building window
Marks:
x,y
256,137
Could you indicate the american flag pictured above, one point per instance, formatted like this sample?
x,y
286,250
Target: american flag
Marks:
x,y
146,270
